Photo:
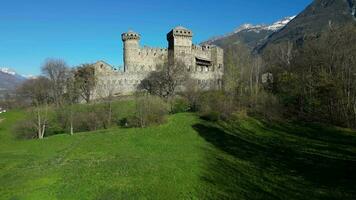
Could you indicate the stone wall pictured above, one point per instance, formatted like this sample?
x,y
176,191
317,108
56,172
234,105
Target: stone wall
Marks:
x,y
205,63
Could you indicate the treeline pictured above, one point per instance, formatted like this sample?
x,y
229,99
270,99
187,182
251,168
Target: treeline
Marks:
x,y
61,100
58,89
312,80
316,81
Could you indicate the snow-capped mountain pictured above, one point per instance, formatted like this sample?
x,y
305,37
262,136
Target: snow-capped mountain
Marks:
x,y
12,72
319,16
9,79
8,71
257,28
264,29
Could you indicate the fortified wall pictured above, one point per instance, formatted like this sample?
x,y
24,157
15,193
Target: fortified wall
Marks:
x,y
205,63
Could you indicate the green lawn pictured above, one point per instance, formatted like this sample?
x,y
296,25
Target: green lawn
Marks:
x,y
186,158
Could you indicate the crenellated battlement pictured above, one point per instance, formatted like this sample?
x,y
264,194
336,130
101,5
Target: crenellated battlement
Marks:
x,y
130,35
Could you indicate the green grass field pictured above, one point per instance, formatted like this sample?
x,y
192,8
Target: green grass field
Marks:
x,y
187,158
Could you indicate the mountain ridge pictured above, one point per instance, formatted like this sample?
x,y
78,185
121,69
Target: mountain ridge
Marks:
x,y
317,17
249,34
9,79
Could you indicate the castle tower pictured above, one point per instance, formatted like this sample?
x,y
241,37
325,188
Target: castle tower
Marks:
x,y
131,42
180,44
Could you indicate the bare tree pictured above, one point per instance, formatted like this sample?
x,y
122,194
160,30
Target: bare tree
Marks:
x,y
57,72
71,98
37,91
167,81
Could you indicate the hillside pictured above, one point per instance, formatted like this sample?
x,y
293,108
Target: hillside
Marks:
x,y
9,79
248,34
248,159
317,17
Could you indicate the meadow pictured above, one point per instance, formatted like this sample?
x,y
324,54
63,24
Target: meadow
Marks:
x,y
185,158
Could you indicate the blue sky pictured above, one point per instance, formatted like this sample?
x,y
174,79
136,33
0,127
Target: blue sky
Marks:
x,y
83,31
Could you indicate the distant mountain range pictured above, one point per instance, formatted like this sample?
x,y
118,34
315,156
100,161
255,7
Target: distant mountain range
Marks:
x,y
317,17
250,35
9,79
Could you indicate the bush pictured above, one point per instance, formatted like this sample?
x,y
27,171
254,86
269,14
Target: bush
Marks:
x,y
150,110
211,116
25,129
215,105
90,118
180,105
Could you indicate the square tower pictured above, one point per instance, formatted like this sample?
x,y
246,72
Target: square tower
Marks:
x,y
180,45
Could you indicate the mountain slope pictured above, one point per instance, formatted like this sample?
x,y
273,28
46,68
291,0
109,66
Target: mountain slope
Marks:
x,y
248,34
9,79
317,17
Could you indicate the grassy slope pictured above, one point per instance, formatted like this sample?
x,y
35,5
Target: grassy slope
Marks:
x,y
158,163
184,159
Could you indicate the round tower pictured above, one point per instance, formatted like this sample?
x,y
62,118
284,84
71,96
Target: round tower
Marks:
x,y
131,42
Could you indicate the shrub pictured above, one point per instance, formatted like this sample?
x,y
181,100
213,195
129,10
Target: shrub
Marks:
x,y
180,105
215,105
90,118
25,129
150,110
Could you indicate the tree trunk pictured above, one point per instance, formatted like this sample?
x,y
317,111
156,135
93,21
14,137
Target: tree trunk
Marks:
x,y
39,124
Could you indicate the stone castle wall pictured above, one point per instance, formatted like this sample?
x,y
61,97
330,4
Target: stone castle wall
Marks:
x,y
205,63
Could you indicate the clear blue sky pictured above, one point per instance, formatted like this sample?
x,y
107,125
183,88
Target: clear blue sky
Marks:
x,y
82,31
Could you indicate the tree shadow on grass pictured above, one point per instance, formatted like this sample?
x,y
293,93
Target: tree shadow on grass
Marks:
x,y
259,168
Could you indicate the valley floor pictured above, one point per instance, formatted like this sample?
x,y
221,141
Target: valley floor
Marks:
x,y
187,158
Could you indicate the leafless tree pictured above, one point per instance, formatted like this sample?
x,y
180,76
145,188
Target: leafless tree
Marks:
x,y
71,98
167,81
57,72
37,91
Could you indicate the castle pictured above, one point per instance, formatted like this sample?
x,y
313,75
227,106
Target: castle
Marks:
x,y
204,63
